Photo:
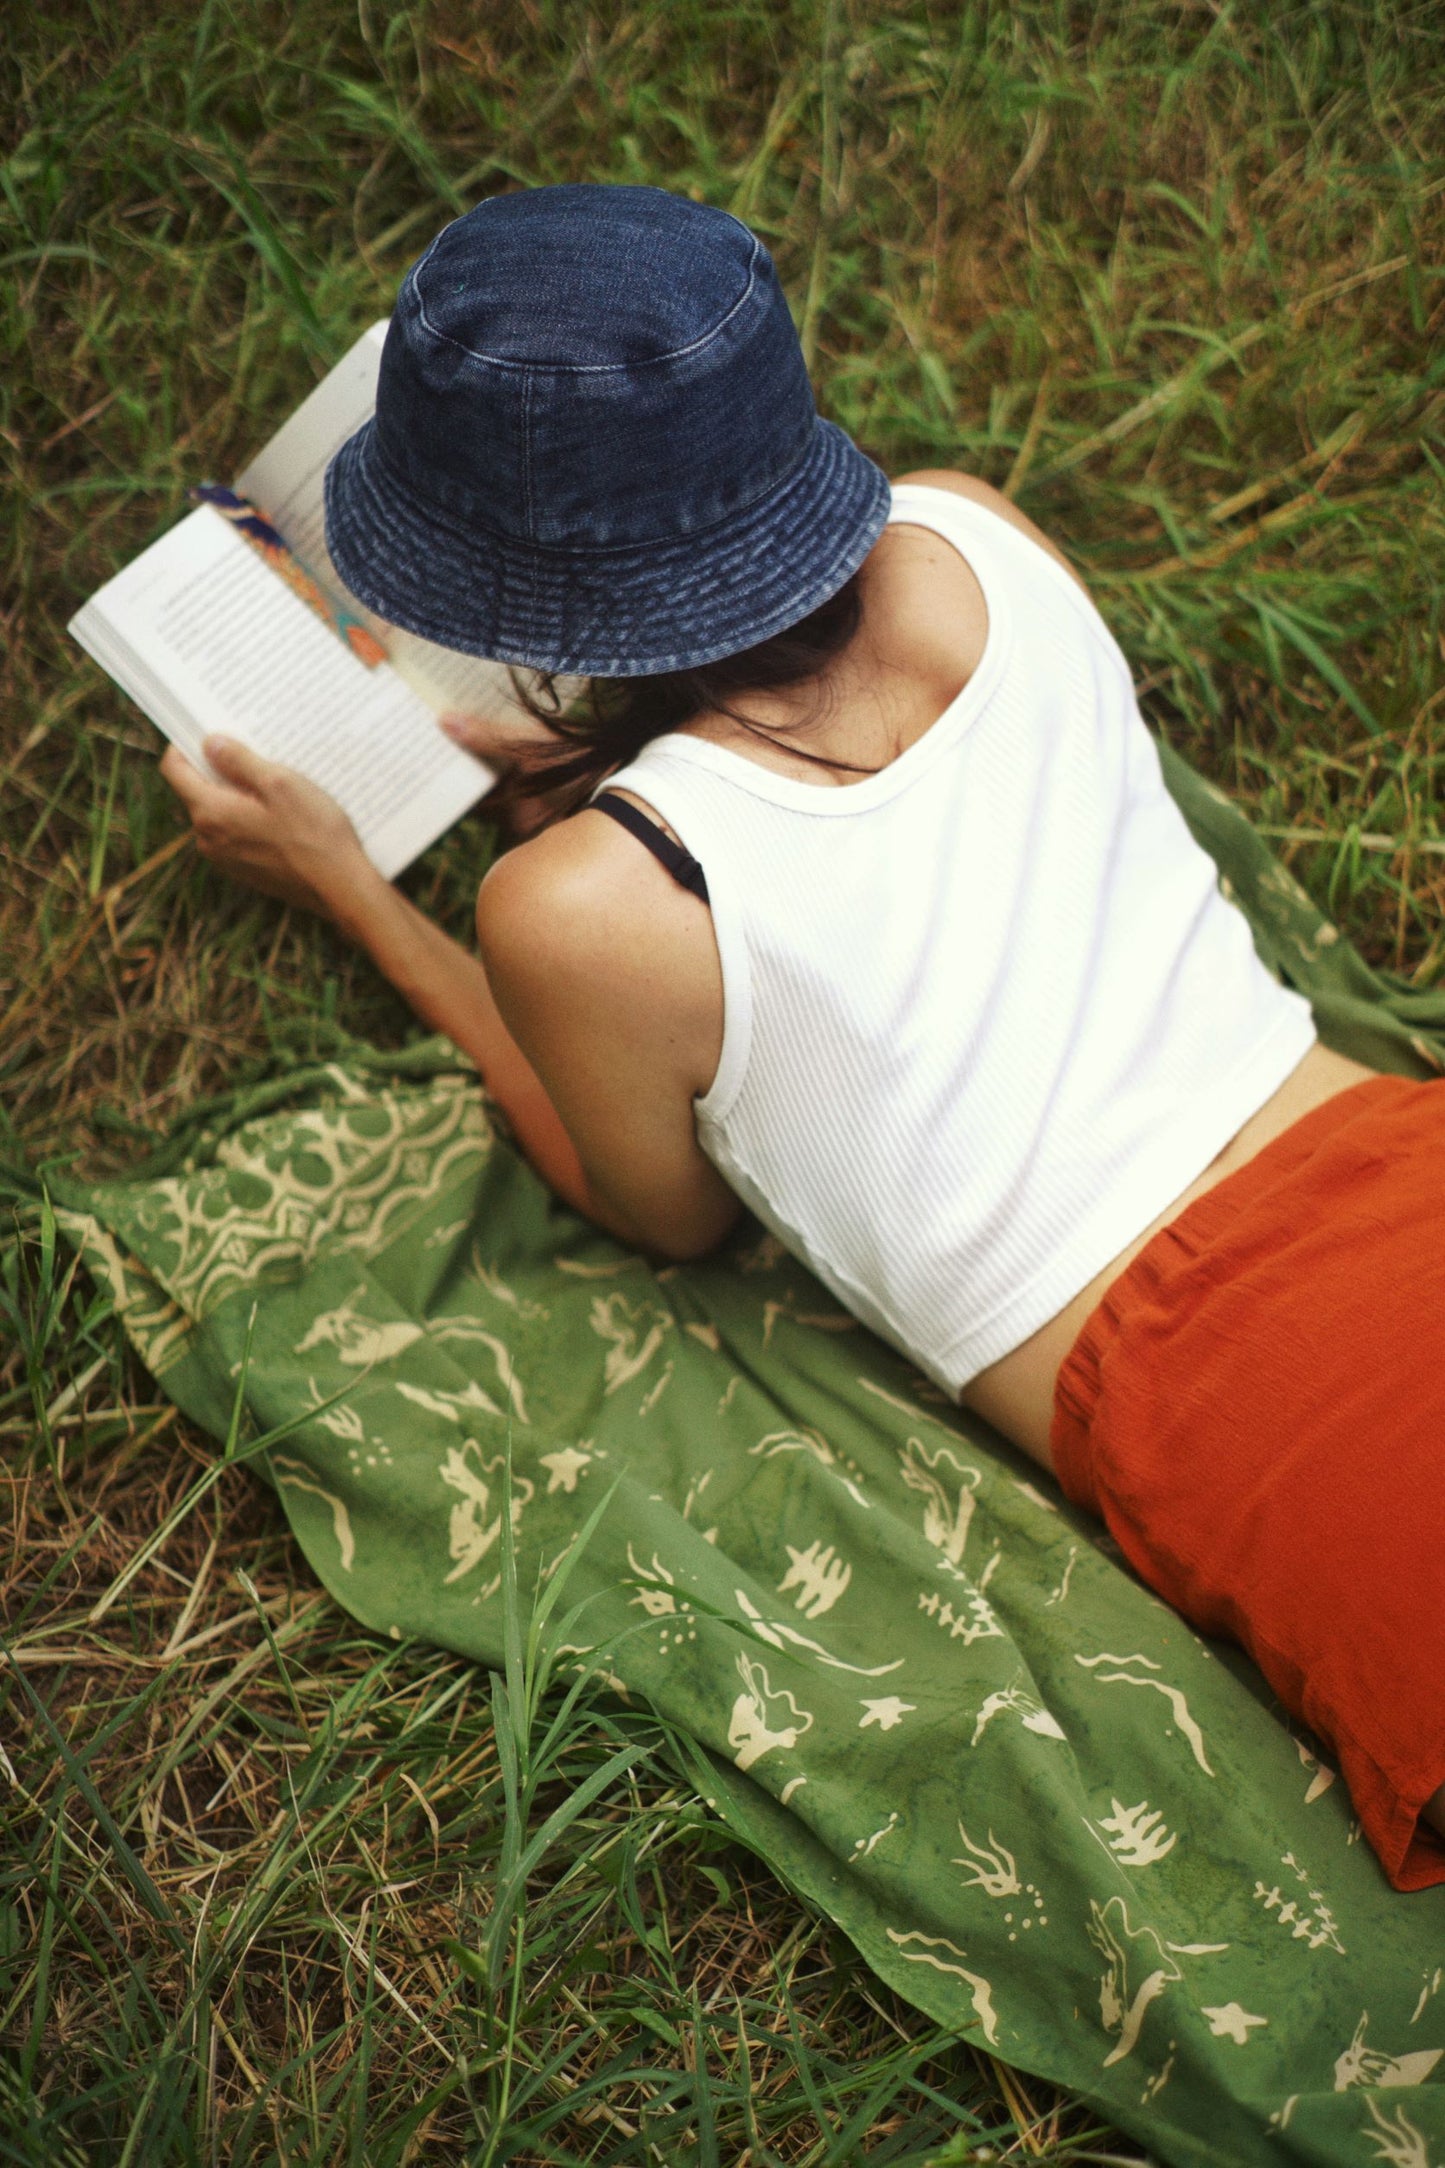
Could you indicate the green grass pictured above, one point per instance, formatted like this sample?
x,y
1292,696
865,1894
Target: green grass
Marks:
x,y
1171,274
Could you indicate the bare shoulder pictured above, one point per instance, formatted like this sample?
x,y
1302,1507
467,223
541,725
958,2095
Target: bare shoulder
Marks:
x,y
581,924
546,896
578,889
993,500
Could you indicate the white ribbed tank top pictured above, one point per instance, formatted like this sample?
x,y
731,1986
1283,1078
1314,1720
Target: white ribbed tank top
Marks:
x,y
986,1012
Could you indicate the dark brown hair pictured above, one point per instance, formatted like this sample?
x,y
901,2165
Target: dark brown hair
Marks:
x,y
608,725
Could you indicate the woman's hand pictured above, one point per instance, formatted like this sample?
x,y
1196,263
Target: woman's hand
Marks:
x,y
268,826
504,747
271,827
499,743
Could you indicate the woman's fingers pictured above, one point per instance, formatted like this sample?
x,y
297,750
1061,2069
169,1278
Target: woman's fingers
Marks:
x,y
236,764
184,778
266,824
233,767
498,740
483,740
212,808
216,808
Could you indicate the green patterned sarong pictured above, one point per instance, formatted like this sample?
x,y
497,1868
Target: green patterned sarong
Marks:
x,y
1042,1808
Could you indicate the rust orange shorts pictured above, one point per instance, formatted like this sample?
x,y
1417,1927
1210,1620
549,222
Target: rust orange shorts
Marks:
x,y
1257,1412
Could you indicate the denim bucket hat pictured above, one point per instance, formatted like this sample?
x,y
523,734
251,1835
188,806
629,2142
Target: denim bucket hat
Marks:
x,y
595,448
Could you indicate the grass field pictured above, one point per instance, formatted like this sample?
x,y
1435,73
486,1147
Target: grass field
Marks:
x,y
1169,273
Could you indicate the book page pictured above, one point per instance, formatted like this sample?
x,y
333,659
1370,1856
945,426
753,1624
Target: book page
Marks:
x,y
206,638
285,481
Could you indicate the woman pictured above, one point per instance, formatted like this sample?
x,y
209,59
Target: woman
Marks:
x,y
886,927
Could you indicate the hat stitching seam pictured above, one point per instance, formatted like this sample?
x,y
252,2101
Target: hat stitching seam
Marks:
x,y
585,368
464,529
527,497
612,666
528,519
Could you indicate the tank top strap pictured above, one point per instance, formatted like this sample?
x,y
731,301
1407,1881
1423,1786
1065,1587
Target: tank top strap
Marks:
x,y
681,864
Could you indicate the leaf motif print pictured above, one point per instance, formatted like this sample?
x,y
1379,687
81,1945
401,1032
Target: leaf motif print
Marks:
x,y
470,1535
1061,1593
776,1632
812,1442
295,1475
975,1618
910,1408
922,1949
277,1191
452,1407
654,1585
991,1867
463,1329
819,1321
864,1847
358,1342
1231,2021
765,1719
819,1576
634,1331
887,1711
1126,1988
1135,1836
341,1419
1397,2141
1313,1923
1171,1694
946,1517
500,1290
1362,2065
655,1392
580,1268
1323,1776
1432,1985
1025,1705
566,1465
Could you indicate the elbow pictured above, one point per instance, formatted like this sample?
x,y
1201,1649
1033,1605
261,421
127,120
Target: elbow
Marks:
x,y
667,1243
697,1239
687,1250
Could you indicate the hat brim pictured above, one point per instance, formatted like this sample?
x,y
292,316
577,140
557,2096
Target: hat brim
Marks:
x,y
626,612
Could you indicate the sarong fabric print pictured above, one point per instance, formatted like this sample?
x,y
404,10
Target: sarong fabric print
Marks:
x,y
923,1688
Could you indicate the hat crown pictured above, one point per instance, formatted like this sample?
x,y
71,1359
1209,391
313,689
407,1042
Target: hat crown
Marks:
x,y
584,277
595,448
589,368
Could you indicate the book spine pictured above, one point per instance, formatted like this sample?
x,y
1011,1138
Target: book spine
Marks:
x,y
267,541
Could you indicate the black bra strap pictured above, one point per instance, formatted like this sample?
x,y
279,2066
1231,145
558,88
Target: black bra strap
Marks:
x,y
681,864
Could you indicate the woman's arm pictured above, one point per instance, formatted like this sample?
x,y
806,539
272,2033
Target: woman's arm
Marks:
x,y
448,989
273,829
606,972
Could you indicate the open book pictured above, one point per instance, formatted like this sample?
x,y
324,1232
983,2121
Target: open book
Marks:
x,y
209,638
